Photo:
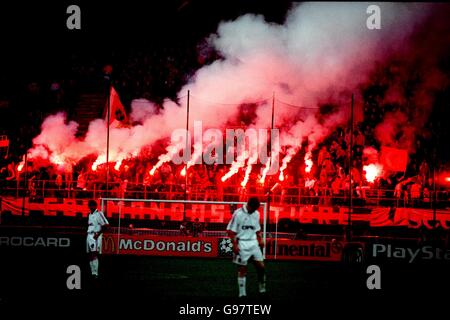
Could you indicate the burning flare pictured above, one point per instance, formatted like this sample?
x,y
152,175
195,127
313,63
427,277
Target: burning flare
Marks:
x,y
117,165
171,151
290,154
269,163
236,165
251,161
308,162
373,171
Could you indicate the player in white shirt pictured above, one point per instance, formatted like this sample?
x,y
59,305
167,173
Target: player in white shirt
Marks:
x,y
244,230
97,223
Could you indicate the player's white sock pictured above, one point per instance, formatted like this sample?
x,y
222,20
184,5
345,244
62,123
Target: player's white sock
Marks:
x,y
94,266
241,283
262,285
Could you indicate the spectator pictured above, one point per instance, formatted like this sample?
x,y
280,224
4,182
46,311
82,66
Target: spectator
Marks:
x,y
415,193
424,170
59,181
323,154
68,174
328,166
340,155
405,198
336,188
197,228
323,182
183,228
11,172
398,192
359,139
81,180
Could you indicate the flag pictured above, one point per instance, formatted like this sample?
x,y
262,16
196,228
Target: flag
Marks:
x,y
358,113
4,142
394,159
118,117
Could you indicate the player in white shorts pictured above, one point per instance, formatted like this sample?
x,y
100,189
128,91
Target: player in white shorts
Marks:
x,y
244,230
97,223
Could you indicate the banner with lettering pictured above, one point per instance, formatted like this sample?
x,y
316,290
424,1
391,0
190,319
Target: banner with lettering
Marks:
x,y
209,247
177,246
221,213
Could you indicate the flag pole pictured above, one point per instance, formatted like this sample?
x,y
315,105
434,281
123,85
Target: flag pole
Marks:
x,y
25,191
187,146
108,115
269,193
270,189
350,208
434,201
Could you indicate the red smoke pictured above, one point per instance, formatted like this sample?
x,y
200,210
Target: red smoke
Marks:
x,y
321,54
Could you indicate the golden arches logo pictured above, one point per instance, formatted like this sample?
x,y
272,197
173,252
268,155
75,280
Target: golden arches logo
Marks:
x,y
109,245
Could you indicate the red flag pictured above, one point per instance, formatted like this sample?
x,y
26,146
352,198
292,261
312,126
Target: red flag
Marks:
x,y
394,159
118,116
358,113
4,142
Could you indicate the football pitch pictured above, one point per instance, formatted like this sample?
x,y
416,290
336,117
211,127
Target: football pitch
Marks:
x,y
169,278
144,284
166,279
216,278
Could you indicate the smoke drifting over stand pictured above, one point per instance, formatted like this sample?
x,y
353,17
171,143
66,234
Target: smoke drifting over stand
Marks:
x,y
321,54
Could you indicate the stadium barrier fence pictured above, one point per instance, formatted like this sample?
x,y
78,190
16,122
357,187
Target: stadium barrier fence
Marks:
x,y
286,194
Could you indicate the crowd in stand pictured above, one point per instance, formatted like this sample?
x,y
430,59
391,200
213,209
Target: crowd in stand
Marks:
x,y
160,74
328,183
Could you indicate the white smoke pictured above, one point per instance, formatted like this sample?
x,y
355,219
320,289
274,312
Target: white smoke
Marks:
x,y
321,53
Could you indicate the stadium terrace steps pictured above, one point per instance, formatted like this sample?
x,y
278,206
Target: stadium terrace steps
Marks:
x,y
90,106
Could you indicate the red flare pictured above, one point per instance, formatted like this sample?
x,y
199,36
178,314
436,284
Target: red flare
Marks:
x,y
373,171
308,162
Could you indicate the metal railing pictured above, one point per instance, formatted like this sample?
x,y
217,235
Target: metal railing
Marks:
x,y
285,194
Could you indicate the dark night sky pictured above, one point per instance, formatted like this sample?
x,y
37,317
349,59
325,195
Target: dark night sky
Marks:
x,y
34,37
35,43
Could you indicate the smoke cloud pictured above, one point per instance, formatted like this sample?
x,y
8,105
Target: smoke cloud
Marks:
x,y
413,77
321,54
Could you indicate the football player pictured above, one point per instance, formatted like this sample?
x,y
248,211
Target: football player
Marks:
x,y
245,232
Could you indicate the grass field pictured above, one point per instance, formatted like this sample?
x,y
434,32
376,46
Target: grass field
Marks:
x,y
167,278
216,278
37,277
171,282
